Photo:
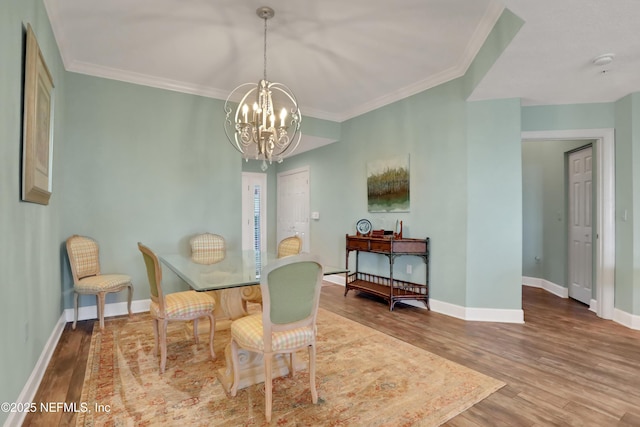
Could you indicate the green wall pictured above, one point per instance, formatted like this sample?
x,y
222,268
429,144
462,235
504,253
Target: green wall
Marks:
x,y
430,128
30,246
627,122
494,223
452,196
147,165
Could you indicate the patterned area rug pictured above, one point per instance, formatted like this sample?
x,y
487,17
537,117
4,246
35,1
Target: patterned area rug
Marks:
x,y
364,378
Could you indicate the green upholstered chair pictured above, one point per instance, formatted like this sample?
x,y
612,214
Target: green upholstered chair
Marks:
x,y
84,259
178,306
287,247
290,296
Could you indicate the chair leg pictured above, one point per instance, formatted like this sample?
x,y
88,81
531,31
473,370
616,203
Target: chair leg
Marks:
x,y
101,297
312,373
163,344
75,309
129,299
235,367
268,384
195,330
292,364
212,328
155,334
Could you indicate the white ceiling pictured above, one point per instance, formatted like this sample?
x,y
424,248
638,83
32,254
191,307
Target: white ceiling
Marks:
x,y
344,58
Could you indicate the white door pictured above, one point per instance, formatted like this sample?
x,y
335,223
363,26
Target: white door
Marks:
x,y
254,211
580,225
293,206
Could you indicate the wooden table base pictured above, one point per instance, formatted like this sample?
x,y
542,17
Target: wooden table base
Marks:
x,y
252,368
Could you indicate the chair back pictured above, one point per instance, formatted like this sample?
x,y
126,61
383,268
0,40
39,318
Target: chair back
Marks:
x,y
154,273
84,257
290,294
207,248
289,246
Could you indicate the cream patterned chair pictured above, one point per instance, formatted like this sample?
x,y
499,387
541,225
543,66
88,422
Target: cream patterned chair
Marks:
x,y
287,247
84,259
291,293
207,248
178,306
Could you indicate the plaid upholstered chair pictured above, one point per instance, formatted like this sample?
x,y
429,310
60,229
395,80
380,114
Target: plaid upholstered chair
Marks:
x,y
207,248
84,260
290,296
287,247
178,306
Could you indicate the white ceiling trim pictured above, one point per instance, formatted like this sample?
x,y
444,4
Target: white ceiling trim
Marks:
x,y
480,35
145,80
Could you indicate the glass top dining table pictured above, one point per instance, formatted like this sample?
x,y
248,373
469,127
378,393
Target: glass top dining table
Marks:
x,y
236,269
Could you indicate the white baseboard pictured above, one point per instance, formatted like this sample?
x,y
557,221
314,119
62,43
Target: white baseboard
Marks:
x,y
460,312
338,279
31,386
474,314
548,286
114,309
626,319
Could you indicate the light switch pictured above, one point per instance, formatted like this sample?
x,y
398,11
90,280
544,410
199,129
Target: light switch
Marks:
x,y
315,215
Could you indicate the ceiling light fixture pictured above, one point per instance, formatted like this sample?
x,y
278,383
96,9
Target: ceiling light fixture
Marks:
x,y
603,59
268,128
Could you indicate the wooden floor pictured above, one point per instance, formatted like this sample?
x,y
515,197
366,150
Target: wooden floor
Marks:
x,y
564,366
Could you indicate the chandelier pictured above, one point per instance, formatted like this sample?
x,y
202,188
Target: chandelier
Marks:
x,y
265,124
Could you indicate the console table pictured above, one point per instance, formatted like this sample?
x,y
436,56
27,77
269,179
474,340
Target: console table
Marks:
x,y
392,290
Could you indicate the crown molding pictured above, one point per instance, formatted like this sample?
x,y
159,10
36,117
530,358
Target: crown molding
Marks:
x,y
145,80
486,24
482,31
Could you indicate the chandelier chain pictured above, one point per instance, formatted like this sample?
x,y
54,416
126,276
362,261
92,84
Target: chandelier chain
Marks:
x,y
265,48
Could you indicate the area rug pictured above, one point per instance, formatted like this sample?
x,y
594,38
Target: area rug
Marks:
x,y
364,378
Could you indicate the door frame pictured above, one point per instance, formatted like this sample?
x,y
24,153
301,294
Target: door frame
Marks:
x,y
605,259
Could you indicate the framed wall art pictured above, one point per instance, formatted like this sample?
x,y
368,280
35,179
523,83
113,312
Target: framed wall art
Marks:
x,y
388,185
37,135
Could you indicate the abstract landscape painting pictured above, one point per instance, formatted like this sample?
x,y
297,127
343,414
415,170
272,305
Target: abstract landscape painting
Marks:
x,y
388,185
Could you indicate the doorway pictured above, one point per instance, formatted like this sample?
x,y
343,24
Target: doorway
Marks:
x,y
293,206
604,261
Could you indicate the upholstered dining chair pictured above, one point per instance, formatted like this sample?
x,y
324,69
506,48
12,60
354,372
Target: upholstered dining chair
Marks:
x,y
287,247
290,296
84,259
207,248
178,306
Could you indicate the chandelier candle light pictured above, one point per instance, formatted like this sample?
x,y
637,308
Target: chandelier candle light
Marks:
x,y
269,129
